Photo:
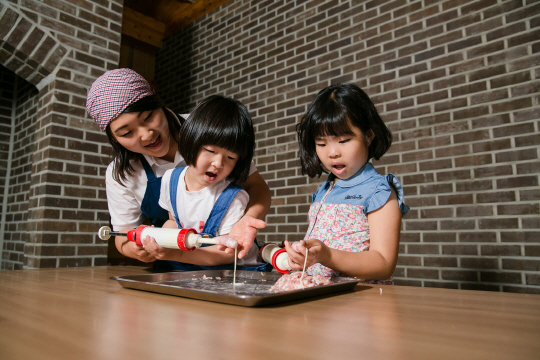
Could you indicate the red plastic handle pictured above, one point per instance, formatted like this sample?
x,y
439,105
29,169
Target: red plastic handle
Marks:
x,y
181,240
274,258
135,235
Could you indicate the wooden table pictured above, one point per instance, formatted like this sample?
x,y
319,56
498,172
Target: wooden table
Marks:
x,y
78,313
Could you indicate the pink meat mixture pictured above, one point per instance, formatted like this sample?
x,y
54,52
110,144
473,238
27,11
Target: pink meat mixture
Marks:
x,y
294,281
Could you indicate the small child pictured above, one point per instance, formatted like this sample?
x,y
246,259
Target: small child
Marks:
x,y
356,209
217,142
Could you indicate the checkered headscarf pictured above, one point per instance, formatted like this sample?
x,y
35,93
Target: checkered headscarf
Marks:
x,y
113,92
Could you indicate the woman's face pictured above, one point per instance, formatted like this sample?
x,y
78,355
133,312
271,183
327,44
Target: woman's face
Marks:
x,y
145,132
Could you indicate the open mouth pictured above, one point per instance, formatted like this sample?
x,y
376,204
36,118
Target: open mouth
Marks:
x,y
155,144
339,168
210,176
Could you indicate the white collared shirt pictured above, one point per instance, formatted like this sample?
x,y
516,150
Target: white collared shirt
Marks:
x,y
125,201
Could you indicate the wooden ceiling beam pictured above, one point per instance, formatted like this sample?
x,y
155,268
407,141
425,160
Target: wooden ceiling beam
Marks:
x,y
142,27
185,15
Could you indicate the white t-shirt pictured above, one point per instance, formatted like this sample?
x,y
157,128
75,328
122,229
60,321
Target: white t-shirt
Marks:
x,y
125,201
194,207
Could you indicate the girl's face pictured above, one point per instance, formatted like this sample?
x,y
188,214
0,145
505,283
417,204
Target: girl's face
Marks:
x,y
344,155
213,165
145,132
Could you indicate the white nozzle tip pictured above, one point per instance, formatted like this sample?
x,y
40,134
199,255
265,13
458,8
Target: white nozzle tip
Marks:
x,y
227,241
103,233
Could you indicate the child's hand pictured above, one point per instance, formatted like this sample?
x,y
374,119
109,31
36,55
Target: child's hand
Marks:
x,y
159,253
132,250
244,231
316,253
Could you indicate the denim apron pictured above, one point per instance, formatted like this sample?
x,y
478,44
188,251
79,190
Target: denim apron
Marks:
x,y
150,203
210,228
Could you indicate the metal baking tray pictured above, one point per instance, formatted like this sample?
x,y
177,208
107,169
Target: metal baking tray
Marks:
x,y
252,288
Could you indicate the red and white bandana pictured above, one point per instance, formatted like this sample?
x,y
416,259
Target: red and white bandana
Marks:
x,y
113,92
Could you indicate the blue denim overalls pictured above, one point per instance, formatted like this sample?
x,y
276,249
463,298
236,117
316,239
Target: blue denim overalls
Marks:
x,y
149,205
211,226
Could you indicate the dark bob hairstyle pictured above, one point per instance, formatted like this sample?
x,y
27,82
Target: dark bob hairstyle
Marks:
x,y
223,122
121,156
330,114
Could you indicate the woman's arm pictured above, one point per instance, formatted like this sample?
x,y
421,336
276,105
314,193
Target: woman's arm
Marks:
x,y
259,196
246,228
378,263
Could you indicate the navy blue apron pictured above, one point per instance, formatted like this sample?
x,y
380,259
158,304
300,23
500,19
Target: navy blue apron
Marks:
x,y
150,203
211,226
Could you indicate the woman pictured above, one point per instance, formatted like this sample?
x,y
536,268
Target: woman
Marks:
x,y
143,134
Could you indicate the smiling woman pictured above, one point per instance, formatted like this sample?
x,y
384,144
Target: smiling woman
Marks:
x,y
143,134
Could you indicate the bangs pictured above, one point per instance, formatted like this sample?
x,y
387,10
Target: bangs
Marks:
x,y
226,133
147,103
330,120
221,122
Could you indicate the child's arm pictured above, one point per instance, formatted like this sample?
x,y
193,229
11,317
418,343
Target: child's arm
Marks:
x,y
378,263
130,249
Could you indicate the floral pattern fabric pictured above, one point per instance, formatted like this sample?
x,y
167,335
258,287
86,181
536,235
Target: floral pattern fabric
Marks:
x,y
343,225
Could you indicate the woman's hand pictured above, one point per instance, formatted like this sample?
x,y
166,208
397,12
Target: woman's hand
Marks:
x,y
317,252
244,231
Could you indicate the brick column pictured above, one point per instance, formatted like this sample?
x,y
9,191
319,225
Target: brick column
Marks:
x,y
57,198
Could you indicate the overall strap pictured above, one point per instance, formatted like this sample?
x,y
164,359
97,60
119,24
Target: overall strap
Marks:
x,y
173,187
220,208
147,168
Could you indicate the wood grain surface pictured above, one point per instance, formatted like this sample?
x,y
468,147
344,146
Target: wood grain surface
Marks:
x,y
79,313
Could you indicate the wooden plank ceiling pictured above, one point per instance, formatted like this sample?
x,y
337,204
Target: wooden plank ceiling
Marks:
x,y
152,20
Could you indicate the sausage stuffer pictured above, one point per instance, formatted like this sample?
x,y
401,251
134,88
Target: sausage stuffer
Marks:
x,y
277,256
183,239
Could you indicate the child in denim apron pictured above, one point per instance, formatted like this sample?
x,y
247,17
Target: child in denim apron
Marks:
x,y
355,218
217,142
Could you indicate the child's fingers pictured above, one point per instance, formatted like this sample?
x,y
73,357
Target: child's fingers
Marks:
x,y
299,247
295,258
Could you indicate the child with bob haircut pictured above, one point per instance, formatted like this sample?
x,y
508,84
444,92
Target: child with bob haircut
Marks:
x,y
355,218
217,142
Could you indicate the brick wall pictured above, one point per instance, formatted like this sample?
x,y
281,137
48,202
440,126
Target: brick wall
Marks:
x,y
6,103
456,82
57,198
